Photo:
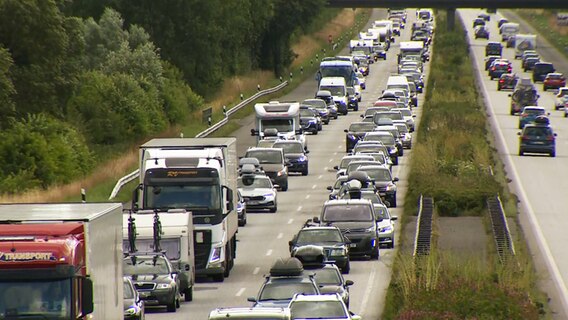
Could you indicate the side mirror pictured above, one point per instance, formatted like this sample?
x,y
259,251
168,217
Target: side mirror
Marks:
x,y
361,115
394,218
276,186
395,179
290,243
316,220
307,151
87,304
251,299
135,194
345,130
252,132
555,134
330,188
349,283
510,95
518,133
336,168
414,116
229,197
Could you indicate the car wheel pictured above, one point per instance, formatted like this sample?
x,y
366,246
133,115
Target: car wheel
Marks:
x,y
395,160
273,210
375,254
178,302
498,88
512,112
315,131
305,172
347,268
401,152
356,108
391,245
188,294
172,306
544,88
553,153
284,187
521,152
565,115
220,277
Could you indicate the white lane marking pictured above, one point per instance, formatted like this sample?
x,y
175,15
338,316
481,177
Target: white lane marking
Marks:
x,y
256,270
368,291
269,252
280,235
330,160
307,196
325,168
314,186
299,208
290,221
240,292
320,176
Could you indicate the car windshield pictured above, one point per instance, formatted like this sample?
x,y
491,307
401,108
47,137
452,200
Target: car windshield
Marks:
x,y
350,90
346,161
390,115
306,113
377,174
265,156
128,292
361,127
386,139
34,299
328,276
255,182
318,310
335,90
285,291
371,196
347,212
555,76
139,265
314,236
545,68
402,128
282,125
405,112
355,165
338,184
318,104
289,147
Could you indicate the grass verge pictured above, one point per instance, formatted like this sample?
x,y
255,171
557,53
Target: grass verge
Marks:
x,y
544,21
454,162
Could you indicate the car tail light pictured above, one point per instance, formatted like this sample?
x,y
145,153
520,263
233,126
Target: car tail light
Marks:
x,y
523,115
493,69
524,138
501,80
509,69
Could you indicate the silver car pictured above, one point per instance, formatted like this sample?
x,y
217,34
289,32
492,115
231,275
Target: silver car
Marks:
x,y
259,192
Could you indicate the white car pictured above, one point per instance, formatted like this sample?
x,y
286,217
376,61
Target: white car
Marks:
x,y
362,80
323,307
385,224
561,99
258,192
408,116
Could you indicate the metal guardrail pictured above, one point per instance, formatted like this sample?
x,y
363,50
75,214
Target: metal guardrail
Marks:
x,y
503,243
423,239
135,174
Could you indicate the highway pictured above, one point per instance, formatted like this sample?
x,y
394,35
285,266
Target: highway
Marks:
x,y
266,235
540,182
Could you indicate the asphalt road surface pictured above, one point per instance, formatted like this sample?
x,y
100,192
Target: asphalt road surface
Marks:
x,y
539,181
265,237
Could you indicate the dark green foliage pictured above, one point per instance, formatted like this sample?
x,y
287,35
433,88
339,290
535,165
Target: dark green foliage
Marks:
x,y
7,90
179,99
39,151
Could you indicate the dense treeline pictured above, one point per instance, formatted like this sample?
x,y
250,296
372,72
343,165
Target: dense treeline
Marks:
x,y
77,75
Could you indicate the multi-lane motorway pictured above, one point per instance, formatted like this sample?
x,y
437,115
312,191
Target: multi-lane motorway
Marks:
x,y
266,236
540,182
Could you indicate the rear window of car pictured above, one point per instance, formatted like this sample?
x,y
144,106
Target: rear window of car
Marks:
x,y
351,212
538,131
544,68
532,111
554,76
266,156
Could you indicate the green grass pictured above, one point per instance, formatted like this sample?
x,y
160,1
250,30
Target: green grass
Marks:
x,y
544,22
455,163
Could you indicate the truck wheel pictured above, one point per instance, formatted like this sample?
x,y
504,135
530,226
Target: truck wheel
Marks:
x,y
228,261
172,306
188,294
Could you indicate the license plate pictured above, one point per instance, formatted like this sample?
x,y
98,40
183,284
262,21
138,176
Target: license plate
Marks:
x,y
252,202
199,237
352,245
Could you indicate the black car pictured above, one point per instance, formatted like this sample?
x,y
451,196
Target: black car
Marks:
x,y
489,60
384,182
154,278
501,21
287,277
356,220
493,49
352,100
320,106
529,63
499,68
541,69
484,16
538,137
309,120
133,305
478,22
356,132
334,111
273,163
295,154
481,32
507,81
335,245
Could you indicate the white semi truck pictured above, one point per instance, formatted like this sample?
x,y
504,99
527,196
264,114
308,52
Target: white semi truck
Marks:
x,y
200,176
176,240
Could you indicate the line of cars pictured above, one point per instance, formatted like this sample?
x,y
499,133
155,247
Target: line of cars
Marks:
x,y
356,221
536,135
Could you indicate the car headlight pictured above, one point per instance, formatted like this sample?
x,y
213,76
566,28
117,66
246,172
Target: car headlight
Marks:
x,y
215,254
269,195
369,229
386,229
302,159
391,187
163,286
338,252
281,172
132,310
312,121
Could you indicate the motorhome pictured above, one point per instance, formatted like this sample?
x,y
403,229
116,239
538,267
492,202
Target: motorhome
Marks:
x,y
282,116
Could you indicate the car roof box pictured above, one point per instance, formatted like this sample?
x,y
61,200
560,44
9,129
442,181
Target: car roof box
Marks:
x,y
310,256
286,267
542,120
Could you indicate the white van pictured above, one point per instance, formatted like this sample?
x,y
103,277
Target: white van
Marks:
x,y
338,89
398,82
508,29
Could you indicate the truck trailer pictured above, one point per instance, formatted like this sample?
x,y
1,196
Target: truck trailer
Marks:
x,y
61,261
176,241
200,176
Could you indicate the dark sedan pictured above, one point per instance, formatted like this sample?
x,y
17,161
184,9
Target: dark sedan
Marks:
x,y
481,32
309,120
295,154
507,81
335,245
499,68
356,132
